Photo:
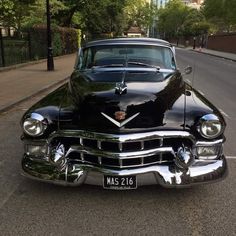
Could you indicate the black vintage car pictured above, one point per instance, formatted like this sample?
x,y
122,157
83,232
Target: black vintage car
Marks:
x,y
126,118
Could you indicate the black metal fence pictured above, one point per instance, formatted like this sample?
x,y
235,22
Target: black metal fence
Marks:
x,y
32,45
14,50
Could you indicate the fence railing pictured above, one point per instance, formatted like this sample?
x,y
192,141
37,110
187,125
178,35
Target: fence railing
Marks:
x,y
32,45
14,50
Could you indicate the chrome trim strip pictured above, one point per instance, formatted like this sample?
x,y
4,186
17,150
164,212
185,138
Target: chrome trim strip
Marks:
x,y
120,147
142,161
37,116
121,155
121,163
210,143
142,145
161,142
161,157
99,145
82,157
81,141
121,166
99,160
142,69
123,137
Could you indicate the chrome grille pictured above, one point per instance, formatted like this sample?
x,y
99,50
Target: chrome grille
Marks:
x,y
121,151
122,146
120,163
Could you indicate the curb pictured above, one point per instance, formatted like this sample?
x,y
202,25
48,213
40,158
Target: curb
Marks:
x,y
46,88
16,66
214,55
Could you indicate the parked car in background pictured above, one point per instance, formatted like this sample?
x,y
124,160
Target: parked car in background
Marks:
x,y
126,118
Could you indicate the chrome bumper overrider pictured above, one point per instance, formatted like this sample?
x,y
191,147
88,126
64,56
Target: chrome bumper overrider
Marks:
x,y
201,171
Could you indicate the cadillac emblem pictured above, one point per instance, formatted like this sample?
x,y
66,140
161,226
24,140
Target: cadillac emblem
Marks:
x,y
120,115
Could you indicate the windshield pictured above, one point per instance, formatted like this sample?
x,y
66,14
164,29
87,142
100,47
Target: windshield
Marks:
x,y
128,56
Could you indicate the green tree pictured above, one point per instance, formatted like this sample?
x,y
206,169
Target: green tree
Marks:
x,y
139,12
25,13
172,18
177,20
195,23
70,13
13,12
93,16
222,13
114,12
37,12
99,17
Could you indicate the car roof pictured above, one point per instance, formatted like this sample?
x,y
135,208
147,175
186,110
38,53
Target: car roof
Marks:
x,y
145,41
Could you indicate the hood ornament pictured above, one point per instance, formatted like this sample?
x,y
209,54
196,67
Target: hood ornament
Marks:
x,y
121,88
120,116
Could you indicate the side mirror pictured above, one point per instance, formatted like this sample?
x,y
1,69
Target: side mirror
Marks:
x,y
188,70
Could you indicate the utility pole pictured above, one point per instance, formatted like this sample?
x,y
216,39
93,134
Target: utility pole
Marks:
x,y
50,63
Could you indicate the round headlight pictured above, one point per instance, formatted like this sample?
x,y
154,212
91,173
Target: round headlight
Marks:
x,y
210,126
35,125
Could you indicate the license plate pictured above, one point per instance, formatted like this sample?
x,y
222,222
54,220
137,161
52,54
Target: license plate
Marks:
x,y
119,182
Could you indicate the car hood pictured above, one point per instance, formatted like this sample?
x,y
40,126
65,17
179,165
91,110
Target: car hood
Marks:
x,y
152,105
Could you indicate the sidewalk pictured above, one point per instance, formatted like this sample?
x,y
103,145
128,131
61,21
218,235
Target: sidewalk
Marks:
x,y
19,84
226,55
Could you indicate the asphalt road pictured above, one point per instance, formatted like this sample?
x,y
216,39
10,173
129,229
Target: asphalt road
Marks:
x,y
215,78
33,208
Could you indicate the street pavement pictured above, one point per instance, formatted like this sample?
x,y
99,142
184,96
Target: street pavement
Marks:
x,y
33,208
215,78
22,83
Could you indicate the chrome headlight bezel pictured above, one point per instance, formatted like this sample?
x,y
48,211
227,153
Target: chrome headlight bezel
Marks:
x,y
210,123
34,125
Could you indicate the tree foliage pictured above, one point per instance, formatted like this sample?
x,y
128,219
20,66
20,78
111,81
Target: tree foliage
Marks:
x,y
13,12
37,12
140,13
221,12
177,19
94,17
195,23
172,18
71,10
103,16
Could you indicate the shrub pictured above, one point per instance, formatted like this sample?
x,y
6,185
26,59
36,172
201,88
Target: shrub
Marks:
x,y
57,44
64,40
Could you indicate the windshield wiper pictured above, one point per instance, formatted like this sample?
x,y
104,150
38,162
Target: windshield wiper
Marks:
x,y
143,64
108,65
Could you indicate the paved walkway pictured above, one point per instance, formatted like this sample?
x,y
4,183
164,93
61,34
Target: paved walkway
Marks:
x,y
226,55
22,83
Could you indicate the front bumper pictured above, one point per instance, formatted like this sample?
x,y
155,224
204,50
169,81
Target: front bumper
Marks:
x,y
201,171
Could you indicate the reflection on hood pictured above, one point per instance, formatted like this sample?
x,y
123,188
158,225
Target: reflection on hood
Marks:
x,y
154,101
